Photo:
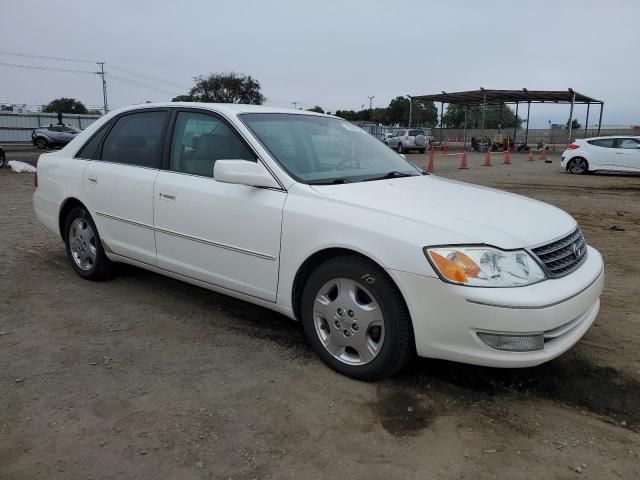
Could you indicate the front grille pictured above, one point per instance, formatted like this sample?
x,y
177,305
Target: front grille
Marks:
x,y
563,256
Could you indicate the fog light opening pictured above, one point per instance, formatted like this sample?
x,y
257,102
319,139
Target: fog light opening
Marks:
x,y
513,343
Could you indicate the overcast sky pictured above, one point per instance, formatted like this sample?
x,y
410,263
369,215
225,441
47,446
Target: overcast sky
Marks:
x,y
327,52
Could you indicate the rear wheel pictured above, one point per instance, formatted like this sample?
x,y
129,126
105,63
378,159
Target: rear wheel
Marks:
x,y
422,150
578,166
400,149
41,143
84,247
356,320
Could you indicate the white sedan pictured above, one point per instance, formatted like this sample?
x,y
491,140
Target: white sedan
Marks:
x,y
312,217
619,154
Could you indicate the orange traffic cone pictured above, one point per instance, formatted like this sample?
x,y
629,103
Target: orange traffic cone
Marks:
x,y
487,159
530,159
432,154
463,162
507,158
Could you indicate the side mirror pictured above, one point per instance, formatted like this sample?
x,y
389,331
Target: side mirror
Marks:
x,y
243,172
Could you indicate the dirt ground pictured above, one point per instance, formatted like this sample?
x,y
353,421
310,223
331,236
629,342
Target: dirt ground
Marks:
x,y
146,377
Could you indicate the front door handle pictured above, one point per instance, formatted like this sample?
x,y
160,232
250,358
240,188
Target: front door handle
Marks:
x,y
168,195
92,179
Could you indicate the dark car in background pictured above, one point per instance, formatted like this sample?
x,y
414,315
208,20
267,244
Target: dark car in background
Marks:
x,y
53,136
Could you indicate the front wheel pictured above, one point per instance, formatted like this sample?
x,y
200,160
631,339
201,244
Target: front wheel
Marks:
x,y
356,320
84,247
400,149
41,143
578,166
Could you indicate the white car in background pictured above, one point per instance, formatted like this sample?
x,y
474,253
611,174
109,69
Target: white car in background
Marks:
x,y
620,154
310,216
407,139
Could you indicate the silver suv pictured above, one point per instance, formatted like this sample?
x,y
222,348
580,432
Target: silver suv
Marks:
x,y
404,140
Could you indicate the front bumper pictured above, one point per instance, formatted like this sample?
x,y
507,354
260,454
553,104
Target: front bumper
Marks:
x,y
446,318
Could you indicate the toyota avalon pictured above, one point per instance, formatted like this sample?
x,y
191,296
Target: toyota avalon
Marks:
x,y
310,216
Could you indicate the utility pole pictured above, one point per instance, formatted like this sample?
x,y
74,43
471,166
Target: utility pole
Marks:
x,y
570,124
104,87
370,103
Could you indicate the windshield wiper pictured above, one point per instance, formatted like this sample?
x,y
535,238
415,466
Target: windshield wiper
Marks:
x,y
391,174
333,181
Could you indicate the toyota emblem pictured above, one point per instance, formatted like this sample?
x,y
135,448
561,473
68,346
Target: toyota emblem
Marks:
x,y
576,250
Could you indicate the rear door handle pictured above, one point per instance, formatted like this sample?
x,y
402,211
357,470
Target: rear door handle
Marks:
x,y
92,179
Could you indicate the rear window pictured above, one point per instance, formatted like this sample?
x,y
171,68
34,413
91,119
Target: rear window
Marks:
x,y
603,142
415,133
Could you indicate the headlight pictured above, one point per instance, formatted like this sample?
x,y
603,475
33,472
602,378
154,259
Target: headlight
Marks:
x,y
479,266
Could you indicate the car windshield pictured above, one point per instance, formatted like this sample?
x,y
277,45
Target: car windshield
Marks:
x,y
323,150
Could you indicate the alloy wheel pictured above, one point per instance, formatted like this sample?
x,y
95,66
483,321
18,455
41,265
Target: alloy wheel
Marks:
x,y
82,243
348,321
578,166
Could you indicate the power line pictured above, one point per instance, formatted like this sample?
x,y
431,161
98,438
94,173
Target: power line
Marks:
x,y
36,67
138,84
45,57
147,76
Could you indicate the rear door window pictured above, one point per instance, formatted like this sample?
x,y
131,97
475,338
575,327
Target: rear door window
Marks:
x,y
136,139
603,142
627,143
415,133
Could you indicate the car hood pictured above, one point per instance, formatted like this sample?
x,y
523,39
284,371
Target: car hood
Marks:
x,y
458,211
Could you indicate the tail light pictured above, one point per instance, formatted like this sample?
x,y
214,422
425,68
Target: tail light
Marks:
x,y
35,180
572,146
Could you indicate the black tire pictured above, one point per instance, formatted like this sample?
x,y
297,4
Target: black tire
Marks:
x,y
41,143
101,267
400,149
422,150
398,346
2,158
578,166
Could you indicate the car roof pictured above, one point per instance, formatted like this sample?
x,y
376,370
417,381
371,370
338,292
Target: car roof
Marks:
x,y
607,137
226,108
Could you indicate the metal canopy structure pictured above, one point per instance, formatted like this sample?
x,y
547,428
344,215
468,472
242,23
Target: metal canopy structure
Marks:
x,y
484,97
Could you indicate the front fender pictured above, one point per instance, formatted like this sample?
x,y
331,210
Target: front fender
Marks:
x,y
311,225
